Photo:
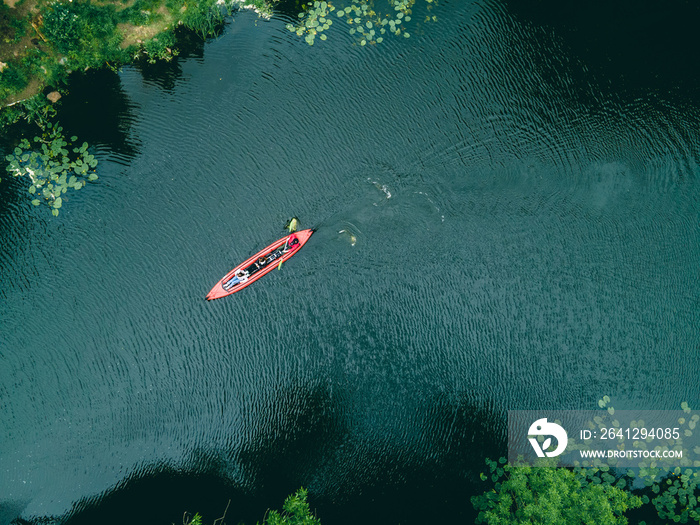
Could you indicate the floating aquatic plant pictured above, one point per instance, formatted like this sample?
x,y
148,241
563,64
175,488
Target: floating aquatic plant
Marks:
x,y
313,21
368,24
53,165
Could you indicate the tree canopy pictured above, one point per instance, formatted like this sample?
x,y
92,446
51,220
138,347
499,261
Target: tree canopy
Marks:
x,y
552,496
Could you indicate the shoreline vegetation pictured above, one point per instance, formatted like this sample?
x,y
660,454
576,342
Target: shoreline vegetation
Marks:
x,y
45,41
594,491
295,511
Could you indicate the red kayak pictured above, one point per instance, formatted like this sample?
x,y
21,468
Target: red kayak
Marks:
x,y
259,264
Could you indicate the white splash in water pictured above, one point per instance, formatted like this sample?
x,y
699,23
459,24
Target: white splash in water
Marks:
x,y
381,187
353,239
431,201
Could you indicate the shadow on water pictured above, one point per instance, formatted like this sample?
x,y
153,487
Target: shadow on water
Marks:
x,y
165,496
297,426
98,107
462,427
430,484
289,450
167,74
631,45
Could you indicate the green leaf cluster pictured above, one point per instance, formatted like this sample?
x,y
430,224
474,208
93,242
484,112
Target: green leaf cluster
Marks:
x,y
540,495
85,33
12,28
53,165
672,486
677,497
551,495
13,79
34,109
205,17
140,12
314,20
161,47
295,511
369,23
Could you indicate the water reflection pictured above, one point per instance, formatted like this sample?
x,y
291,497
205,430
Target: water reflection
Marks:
x,y
166,75
433,457
98,110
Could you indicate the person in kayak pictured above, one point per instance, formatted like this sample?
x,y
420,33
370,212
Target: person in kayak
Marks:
x,y
239,277
292,243
292,225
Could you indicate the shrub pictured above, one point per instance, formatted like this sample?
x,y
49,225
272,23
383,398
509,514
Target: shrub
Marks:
x,y
204,18
13,79
160,47
295,511
557,496
85,33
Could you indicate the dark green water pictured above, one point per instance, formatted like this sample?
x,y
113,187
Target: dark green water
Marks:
x,y
527,220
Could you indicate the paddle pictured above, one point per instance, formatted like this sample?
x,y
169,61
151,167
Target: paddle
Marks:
x,y
292,227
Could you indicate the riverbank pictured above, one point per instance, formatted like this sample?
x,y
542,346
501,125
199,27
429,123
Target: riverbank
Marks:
x,y
44,41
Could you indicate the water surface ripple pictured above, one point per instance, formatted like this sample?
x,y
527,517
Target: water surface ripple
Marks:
x,y
497,229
